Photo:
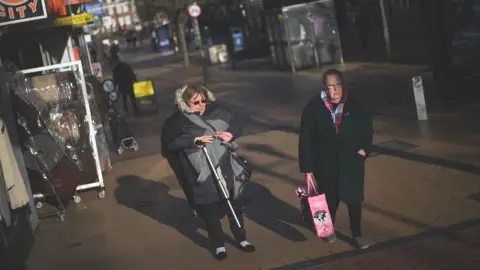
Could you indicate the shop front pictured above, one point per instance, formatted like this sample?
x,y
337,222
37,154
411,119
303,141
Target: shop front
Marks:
x,y
52,137
18,216
454,45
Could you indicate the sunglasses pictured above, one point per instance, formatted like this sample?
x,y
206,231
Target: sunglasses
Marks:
x,y
334,86
199,101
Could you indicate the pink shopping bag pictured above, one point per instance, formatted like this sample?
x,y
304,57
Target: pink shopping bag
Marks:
x,y
322,220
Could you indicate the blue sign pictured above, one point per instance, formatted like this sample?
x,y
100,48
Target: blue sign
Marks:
x,y
163,37
95,8
238,41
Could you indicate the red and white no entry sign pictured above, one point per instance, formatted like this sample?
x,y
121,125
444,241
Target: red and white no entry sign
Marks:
x,y
194,10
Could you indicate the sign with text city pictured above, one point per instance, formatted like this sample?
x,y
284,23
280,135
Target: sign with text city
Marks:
x,y
18,11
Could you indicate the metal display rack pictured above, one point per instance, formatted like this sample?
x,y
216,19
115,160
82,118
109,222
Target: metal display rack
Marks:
x,y
77,69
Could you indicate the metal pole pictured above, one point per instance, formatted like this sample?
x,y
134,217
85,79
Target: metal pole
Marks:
x,y
198,38
289,43
181,18
314,43
222,187
385,7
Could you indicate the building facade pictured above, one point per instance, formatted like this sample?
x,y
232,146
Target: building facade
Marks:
x,y
119,15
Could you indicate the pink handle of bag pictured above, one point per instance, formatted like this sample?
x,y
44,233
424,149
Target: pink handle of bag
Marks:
x,y
311,185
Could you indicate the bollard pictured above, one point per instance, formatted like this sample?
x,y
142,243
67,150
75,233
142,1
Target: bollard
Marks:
x,y
419,95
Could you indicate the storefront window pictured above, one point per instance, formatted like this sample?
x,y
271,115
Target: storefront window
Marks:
x,y
121,21
128,20
466,32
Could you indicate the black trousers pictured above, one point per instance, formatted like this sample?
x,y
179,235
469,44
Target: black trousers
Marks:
x,y
212,214
131,95
354,213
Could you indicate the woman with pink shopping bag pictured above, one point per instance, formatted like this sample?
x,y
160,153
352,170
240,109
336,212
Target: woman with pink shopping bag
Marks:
x,y
336,135
320,214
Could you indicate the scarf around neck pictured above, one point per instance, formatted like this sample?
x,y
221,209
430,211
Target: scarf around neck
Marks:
x,y
337,112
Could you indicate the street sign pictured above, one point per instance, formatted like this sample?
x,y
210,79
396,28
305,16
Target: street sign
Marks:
x,y
96,8
18,11
194,10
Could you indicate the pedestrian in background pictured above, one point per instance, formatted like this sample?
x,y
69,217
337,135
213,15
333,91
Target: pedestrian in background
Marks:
x,y
114,50
125,78
336,136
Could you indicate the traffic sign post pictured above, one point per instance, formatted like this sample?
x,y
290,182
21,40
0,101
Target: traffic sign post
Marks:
x,y
194,11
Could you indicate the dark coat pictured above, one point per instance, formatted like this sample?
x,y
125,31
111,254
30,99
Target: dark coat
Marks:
x,y
333,158
124,77
179,133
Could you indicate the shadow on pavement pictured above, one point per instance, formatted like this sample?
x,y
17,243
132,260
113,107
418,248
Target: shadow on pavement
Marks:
x,y
420,225
262,207
455,165
264,170
153,200
450,230
267,149
253,123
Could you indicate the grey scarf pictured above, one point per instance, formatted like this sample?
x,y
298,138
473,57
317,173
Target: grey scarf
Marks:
x,y
215,149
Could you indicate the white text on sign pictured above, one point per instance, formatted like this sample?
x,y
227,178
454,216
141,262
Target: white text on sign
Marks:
x,y
18,12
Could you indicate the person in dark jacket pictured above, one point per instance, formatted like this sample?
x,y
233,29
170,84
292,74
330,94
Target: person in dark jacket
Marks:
x,y
114,50
124,77
336,136
193,126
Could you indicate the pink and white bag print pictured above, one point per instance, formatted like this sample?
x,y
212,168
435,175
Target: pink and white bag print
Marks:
x,y
322,220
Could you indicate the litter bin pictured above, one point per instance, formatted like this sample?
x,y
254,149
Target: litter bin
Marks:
x,y
218,54
145,95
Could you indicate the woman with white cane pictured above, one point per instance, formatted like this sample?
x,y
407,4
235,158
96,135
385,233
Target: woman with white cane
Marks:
x,y
197,141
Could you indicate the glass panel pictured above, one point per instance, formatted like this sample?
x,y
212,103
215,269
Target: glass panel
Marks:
x,y
466,32
299,31
325,31
313,34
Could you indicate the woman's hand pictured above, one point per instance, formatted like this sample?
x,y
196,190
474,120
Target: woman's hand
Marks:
x,y
226,137
362,152
200,141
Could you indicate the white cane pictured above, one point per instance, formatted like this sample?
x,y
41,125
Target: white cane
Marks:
x,y
222,187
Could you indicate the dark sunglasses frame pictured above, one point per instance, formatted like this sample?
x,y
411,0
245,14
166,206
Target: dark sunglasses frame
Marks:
x,y
334,85
201,101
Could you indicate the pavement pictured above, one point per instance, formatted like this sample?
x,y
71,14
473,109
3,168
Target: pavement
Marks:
x,y
422,187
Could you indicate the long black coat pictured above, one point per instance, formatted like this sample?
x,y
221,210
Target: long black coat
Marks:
x,y
333,158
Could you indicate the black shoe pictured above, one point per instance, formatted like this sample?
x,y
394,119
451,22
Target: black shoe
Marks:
x,y
363,242
330,239
248,247
221,256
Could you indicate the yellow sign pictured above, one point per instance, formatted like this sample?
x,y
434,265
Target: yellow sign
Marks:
x,y
143,89
80,19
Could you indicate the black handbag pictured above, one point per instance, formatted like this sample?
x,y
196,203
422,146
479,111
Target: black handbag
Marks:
x,y
247,171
